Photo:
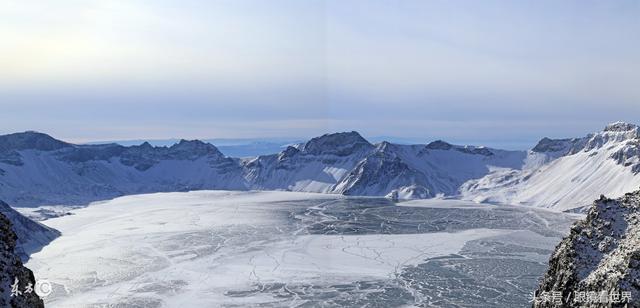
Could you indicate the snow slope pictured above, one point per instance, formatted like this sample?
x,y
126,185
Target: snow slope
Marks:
x,y
567,173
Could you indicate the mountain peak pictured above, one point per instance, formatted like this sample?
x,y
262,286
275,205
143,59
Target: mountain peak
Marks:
x,y
183,143
384,146
439,145
30,140
340,144
288,152
548,145
146,145
617,132
620,127
194,148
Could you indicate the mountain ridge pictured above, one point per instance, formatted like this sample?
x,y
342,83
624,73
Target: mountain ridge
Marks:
x,y
340,163
567,173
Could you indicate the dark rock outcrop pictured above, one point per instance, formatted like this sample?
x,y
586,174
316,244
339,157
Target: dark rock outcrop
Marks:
x,y
598,263
12,270
32,236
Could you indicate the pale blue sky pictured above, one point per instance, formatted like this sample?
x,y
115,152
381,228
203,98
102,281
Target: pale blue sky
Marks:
x,y
499,73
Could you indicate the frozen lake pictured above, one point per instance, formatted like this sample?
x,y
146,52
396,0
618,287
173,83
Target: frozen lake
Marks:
x,y
281,249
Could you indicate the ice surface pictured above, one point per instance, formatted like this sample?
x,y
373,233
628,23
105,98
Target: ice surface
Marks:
x,y
280,249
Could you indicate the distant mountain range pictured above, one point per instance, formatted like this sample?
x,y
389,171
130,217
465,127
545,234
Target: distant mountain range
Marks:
x,y
250,147
36,169
243,147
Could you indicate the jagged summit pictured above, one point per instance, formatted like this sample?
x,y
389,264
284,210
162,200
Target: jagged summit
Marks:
x,y
337,144
192,149
620,127
615,132
30,140
195,147
386,147
468,149
548,145
290,151
619,133
439,145
146,145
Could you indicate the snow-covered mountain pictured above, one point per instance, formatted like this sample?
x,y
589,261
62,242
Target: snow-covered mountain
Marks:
x,y
602,253
346,163
423,171
567,173
315,166
36,169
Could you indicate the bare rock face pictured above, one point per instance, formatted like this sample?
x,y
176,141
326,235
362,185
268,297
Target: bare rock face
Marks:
x,y
32,236
598,264
12,270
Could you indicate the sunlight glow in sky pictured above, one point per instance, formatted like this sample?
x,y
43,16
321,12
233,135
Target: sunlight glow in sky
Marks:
x,y
500,73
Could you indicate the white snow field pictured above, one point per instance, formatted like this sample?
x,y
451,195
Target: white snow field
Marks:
x,y
565,174
281,249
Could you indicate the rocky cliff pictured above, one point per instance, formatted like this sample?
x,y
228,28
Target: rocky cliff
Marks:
x,y
12,271
598,263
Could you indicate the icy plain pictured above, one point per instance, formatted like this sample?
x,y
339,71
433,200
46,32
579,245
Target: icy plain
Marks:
x,y
287,249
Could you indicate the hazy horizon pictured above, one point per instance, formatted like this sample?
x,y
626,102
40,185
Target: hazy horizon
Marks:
x,y
501,74
284,140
